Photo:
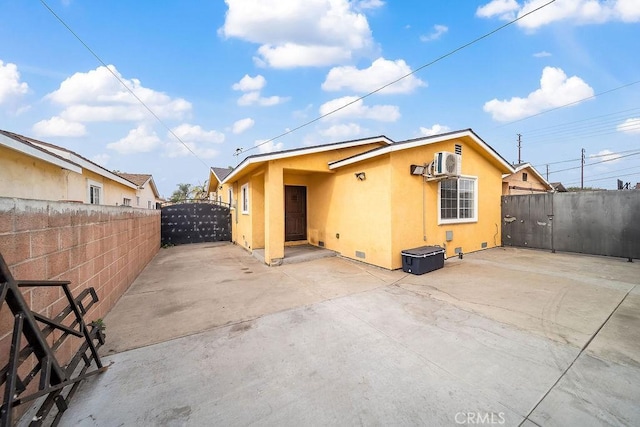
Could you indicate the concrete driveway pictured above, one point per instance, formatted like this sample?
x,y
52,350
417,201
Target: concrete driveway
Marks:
x,y
207,335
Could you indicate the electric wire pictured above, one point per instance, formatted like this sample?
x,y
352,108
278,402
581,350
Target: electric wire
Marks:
x,y
605,178
95,55
582,135
590,156
568,125
440,58
569,104
597,163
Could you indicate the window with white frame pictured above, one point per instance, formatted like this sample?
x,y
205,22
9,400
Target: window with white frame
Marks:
x,y
149,204
458,201
94,192
126,201
245,198
137,200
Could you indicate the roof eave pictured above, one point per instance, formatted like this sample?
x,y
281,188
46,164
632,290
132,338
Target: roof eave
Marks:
x,y
39,153
302,151
421,142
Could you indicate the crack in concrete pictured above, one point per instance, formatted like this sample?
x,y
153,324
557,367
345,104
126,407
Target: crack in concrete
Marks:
x,y
582,350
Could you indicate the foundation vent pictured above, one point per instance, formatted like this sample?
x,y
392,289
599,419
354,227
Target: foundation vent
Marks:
x,y
360,254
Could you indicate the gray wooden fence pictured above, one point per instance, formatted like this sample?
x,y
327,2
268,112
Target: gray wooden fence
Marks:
x,y
594,222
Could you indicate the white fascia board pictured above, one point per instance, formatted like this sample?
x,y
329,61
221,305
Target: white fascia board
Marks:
x,y
152,183
418,143
103,172
88,165
394,147
39,154
302,151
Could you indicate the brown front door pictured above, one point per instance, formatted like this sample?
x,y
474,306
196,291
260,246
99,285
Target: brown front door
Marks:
x,y
295,213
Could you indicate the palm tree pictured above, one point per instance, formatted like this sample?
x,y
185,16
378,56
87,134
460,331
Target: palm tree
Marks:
x,y
182,193
198,192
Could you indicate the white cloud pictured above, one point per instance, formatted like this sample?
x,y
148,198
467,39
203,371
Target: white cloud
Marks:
x,y
254,98
555,90
242,125
438,31
57,126
578,12
194,133
381,72
505,9
98,96
357,109
268,147
194,138
631,126
176,149
606,156
139,140
249,84
10,84
342,131
434,130
368,4
101,159
543,54
300,33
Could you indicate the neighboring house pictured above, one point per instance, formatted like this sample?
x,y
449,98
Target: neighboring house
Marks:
x,y
367,200
147,196
558,187
524,180
216,176
32,169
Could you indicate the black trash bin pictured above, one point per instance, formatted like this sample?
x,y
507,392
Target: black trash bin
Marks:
x,y
423,259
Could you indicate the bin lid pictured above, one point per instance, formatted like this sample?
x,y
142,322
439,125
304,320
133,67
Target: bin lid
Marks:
x,y
423,251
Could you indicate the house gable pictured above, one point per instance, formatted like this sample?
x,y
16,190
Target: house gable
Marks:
x,y
252,162
525,179
36,169
467,135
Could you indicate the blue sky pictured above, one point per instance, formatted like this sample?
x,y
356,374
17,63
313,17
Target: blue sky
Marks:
x,y
223,75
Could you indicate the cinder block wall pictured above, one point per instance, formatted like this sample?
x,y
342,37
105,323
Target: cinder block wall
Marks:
x,y
102,247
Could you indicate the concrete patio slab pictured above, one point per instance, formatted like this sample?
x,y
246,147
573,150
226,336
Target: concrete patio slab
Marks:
x,y
505,336
192,288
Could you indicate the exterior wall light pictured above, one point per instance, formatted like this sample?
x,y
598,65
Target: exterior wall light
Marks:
x,y
417,170
361,176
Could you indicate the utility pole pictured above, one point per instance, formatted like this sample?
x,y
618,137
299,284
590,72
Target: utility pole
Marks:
x,y
547,173
519,147
582,170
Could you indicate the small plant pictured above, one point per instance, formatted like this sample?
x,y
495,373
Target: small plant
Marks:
x,y
99,323
166,245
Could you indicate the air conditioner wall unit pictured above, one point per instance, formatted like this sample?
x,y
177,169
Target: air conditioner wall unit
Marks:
x,y
447,164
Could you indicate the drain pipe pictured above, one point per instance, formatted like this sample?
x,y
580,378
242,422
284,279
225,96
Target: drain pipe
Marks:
x,y
424,213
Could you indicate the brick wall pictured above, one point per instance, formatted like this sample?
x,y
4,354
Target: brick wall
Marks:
x,y
91,246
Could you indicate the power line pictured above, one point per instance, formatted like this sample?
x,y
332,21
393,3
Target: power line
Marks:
x,y
567,125
607,130
95,55
597,163
605,178
568,104
238,151
590,156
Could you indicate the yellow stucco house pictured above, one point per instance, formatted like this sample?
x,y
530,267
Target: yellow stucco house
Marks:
x,y
525,179
214,184
33,169
369,199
